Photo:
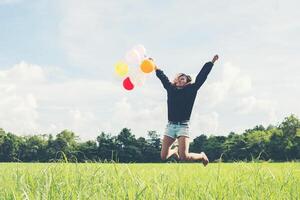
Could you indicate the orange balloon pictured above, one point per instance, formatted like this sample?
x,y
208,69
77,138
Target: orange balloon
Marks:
x,y
147,66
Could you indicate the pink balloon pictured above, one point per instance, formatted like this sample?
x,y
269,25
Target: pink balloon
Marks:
x,y
137,77
127,84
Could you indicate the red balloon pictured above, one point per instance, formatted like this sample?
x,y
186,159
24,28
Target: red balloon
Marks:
x,y
127,84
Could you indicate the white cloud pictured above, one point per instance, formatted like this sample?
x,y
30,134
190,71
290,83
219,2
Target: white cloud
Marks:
x,y
90,106
243,85
228,100
251,105
231,83
140,117
206,123
23,72
18,107
34,103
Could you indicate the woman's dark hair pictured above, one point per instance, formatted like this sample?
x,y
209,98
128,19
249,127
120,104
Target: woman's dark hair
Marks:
x,y
188,78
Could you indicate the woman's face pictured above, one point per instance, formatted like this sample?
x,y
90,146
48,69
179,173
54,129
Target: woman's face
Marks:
x,y
181,81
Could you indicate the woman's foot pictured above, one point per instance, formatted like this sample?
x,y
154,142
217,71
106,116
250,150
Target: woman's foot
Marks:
x,y
205,160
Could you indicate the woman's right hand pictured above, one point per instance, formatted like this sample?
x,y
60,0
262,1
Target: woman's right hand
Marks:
x,y
155,66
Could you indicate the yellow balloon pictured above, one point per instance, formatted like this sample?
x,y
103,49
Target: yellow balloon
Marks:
x,y
121,68
147,66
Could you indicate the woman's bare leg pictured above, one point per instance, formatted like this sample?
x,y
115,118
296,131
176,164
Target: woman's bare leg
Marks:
x,y
166,150
184,154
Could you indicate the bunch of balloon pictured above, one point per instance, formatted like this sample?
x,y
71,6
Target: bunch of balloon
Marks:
x,y
134,67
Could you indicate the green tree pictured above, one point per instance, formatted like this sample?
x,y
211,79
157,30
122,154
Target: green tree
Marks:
x,y
9,147
64,145
127,146
256,143
214,147
87,151
152,147
276,146
107,147
289,138
33,149
235,148
199,143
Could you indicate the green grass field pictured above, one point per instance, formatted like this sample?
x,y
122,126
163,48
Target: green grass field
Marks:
x,y
150,181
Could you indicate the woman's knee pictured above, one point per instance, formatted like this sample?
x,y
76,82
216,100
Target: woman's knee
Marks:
x,y
163,156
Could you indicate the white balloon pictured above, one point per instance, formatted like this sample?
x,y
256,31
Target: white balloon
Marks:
x,y
137,77
141,50
133,57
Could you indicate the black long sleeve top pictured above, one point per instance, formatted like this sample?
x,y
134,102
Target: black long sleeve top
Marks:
x,y
181,100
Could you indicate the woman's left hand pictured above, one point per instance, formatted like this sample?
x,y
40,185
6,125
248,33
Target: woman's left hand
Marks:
x,y
216,57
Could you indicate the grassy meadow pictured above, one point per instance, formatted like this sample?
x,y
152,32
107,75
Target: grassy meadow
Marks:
x,y
149,181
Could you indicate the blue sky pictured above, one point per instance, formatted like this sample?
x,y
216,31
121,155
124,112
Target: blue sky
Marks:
x,y
57,58
29,31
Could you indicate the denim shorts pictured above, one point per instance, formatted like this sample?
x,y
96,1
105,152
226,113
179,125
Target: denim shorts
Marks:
x,y
175,130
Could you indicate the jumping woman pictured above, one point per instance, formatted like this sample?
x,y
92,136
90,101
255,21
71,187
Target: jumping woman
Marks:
x,y
181,97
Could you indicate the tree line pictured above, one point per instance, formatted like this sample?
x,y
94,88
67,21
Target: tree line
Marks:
x,y
272,143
